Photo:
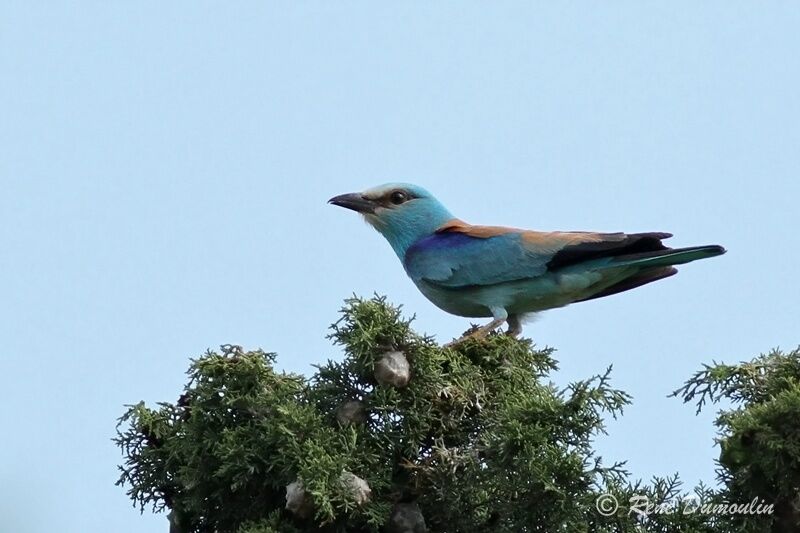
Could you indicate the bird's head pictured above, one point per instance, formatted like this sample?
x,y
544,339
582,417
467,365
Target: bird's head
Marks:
x,y
401,212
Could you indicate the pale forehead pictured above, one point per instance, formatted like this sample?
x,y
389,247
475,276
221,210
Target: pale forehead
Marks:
x,y
386,188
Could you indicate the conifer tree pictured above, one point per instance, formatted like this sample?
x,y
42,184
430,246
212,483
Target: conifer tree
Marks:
x,y
404,435
759,436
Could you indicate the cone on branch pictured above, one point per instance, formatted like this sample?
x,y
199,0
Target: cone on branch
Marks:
x,y
393,369
351,413
406,518
357,488
298,500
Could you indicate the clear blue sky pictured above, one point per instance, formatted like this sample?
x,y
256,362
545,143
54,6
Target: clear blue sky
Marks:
x,y
165,169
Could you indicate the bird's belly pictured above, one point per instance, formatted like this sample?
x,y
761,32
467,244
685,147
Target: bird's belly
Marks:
x,y
461,301
522,296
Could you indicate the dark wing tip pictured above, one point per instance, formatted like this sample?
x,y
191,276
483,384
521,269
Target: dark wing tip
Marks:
x,y
716,249
633,243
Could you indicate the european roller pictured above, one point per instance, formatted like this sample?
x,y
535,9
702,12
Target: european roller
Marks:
x,y
507,273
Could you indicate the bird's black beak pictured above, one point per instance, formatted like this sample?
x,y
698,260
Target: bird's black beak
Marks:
x,y
354,201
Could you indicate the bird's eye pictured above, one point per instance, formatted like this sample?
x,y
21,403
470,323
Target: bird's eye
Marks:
x,y
398,197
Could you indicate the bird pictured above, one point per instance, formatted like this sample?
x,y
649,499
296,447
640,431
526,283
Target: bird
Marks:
x,y
504,273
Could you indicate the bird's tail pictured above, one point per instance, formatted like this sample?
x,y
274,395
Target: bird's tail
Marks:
x,y
668,257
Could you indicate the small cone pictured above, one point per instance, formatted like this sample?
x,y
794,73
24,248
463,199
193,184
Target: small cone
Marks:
x,y
351,413
393,369
406,518
358,488
298,501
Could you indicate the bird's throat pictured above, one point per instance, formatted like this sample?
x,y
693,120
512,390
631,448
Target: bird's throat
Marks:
x,y
402,233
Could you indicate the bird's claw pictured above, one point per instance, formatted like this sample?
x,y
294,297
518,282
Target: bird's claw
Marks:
x,y
478,334
456,342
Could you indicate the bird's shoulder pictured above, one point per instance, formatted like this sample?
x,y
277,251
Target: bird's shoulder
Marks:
x,y
531,239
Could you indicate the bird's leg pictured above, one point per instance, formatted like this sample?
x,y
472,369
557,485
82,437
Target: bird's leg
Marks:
x,y
500,315
514,326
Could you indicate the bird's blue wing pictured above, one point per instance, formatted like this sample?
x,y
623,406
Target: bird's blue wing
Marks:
x,y
457,260
462,255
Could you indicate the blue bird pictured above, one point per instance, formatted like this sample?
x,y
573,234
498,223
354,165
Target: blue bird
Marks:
x,y
507,273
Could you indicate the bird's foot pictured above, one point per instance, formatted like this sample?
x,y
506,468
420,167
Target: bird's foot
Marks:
x,y
479,333
514,326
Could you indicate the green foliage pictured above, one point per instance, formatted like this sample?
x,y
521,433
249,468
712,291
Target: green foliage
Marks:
x,y
479,439
759,435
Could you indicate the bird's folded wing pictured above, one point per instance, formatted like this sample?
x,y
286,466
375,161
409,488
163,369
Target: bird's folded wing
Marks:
x,y
459,254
